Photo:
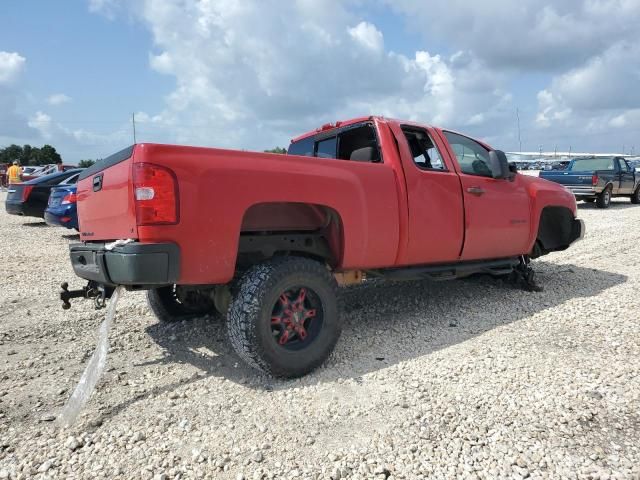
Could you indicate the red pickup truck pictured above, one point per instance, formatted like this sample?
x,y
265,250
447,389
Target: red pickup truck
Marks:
x,y
267,238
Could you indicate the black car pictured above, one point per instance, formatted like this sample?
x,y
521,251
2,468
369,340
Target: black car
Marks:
x,y
30,198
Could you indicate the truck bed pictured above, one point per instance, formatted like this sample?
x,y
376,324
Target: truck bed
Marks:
x,y
213,214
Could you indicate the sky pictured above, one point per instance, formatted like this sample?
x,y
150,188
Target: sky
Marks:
x,y
252,74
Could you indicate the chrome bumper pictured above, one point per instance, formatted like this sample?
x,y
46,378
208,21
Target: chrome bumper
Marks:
x,y
582,191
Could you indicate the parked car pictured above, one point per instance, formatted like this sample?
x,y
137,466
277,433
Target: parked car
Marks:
x,y
366,197
30,198
42,170
61,209
598,179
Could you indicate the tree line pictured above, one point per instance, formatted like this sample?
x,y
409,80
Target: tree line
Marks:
x,y
28,155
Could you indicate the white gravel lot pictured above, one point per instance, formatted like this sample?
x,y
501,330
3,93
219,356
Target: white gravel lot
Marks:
x,y
466,379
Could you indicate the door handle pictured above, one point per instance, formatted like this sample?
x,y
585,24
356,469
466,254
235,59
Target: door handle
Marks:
x,y
475,191
97,183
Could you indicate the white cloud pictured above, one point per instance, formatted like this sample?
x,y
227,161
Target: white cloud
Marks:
x,y
11,66
368,36
526,35
58,99
619,121
252,74
607,81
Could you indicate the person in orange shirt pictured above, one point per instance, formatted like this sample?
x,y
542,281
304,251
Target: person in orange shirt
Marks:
x,y
14,173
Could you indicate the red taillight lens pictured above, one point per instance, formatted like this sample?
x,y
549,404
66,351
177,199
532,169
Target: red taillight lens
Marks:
x,y
26,191
594,179
155,190
69,198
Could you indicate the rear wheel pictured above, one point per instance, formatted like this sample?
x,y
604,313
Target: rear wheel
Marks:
x,y
604,199
175,303
635,198
284,318
589,200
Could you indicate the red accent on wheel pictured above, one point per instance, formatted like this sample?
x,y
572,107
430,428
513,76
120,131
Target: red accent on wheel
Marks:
x,y
292,316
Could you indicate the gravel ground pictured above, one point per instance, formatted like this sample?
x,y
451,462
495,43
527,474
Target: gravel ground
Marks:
x,y
466,379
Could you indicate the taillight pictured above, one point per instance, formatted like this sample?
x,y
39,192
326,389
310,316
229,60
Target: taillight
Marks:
x,y
26,191
594,179
155,190
69,198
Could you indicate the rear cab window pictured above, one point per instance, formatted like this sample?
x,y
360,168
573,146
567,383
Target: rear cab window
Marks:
x,y
590,164
302,147
357,143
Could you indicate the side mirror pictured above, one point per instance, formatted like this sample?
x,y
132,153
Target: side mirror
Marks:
x,y
499,165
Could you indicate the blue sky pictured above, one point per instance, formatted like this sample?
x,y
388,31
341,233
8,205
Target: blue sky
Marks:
x,y
252,74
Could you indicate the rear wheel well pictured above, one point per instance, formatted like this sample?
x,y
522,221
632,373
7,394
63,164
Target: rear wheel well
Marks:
x,y
289,228
554,231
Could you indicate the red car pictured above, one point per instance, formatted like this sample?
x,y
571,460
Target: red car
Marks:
x,y
266,238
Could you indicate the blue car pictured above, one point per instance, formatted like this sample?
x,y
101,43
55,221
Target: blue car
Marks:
x,y
62,210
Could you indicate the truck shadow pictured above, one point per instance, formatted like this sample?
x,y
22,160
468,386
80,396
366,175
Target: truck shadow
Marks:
x,y
385,323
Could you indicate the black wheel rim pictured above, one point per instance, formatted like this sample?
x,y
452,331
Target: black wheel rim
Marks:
x,y
296,318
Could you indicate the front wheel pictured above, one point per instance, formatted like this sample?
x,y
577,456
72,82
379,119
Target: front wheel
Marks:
x,y
635,198
175,303
284,317
604,199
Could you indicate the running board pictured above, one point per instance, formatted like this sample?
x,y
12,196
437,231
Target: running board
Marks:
x,y
451,271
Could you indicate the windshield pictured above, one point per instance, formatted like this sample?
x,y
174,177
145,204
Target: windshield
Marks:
x,y
588,164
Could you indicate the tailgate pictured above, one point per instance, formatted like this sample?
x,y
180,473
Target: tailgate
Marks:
x,y
106,209
568,178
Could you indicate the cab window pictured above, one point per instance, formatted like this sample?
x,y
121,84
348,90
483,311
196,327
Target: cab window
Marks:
x,y
302,147
423,149
359,144
624,167
326,148
472,157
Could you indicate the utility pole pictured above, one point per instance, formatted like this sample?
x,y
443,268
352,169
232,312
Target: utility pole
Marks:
x,y
569,151
519,139
133,122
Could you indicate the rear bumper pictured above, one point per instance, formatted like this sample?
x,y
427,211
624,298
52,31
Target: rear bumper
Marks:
x,y
24,209
63,218
583,190
134,264
14,208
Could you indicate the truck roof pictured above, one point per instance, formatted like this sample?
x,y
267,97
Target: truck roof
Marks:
x,y
331,126
345,123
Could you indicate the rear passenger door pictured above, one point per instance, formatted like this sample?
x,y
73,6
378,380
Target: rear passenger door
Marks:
x,y
436,215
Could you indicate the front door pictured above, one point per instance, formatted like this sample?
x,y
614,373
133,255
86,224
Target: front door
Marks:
x,y
497,218
627,178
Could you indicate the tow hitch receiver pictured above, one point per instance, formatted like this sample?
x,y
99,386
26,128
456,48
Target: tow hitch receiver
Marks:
x,y
100,293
